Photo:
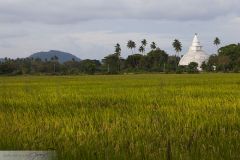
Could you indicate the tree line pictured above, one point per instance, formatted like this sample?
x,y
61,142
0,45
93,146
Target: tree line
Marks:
x,y
227,59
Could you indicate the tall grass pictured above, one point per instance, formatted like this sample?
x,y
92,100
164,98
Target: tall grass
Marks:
x,y
123,117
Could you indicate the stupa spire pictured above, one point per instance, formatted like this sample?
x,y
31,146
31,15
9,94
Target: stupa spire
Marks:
x,y
196,46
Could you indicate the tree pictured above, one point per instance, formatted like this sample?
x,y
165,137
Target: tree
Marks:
x,y
171,63
89,66
131,45
177,45
156,60
8,66
233,52
193,67
211,63
217,42
111,63
118,53
204,66
141,49
223,63
134,61
153,46
118,49
144,42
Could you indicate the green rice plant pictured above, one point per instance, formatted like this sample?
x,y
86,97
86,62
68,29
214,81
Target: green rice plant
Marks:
x,y
152,116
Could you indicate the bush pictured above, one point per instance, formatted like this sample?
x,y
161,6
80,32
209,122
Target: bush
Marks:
x,y
192,67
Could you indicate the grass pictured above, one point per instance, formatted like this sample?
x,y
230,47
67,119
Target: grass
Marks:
x,y
123,117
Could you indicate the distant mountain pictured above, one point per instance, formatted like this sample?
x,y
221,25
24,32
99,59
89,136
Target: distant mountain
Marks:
x,y
62,56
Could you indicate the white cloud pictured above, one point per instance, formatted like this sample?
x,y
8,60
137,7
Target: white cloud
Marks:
x,y
90,28
73,11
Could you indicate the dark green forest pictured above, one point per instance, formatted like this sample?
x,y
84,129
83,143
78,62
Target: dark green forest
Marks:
x,y
227,59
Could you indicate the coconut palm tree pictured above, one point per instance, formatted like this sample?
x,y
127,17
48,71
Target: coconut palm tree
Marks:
x,y
144,42
177,45
118,53
141,49
118,49
153,46
131,45
217,42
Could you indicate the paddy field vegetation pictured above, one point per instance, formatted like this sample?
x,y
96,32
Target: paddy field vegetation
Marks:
x,y
151,116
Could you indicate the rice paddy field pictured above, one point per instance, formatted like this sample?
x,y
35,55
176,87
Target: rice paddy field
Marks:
x,y
152,116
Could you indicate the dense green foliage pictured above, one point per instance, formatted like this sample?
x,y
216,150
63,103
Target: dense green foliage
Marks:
x,y
156,60
37,66
123,117
227,59
192,67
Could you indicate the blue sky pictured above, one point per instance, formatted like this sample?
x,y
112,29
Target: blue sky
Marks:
x,y
90,28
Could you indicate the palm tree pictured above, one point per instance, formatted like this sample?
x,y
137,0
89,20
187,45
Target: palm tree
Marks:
x,y
118,49
144,42
153,46
177,45
141,49
131,44
217,42
118,53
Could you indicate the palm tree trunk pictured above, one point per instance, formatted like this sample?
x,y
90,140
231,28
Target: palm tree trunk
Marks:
x,y
176,61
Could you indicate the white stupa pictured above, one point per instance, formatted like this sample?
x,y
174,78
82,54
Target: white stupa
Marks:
x,y
195,54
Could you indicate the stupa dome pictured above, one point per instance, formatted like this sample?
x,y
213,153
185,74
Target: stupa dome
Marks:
x,y
195,54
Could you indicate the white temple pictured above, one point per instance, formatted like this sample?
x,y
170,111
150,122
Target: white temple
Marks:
x,y
195,54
